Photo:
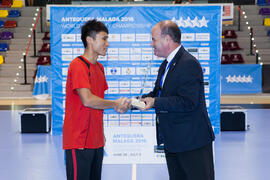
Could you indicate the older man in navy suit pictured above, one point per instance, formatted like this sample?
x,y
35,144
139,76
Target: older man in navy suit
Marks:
x,y
183,125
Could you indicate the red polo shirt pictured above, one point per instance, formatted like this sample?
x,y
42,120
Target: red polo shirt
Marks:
x,y
83,126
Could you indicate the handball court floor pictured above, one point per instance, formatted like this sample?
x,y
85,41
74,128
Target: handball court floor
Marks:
x,y
239,155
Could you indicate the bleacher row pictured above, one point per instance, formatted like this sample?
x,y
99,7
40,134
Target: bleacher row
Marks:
x,y
45,58
231,51
11,4
10,13
6,23
230,47
8,19
44,52
266,13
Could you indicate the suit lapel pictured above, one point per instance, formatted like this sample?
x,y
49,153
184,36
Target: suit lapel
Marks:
x,y
175,60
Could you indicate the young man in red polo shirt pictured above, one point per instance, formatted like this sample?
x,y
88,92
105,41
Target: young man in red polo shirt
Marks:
x,y
83,138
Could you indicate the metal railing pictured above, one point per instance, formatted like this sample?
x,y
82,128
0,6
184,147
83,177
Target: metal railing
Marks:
x,y
252,44
38,16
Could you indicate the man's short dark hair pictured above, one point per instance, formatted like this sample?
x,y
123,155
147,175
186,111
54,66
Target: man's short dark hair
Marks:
x,y
172,30
92,28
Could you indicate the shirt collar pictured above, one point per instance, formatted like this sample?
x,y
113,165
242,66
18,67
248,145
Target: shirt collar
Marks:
x,y
173,53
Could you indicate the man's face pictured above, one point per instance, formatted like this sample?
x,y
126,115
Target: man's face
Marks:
x,y
158,42
100,43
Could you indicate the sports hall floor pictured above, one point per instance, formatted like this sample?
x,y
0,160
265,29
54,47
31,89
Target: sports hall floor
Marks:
x,y
238,155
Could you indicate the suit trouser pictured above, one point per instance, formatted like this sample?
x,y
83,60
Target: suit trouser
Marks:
x,y
191,165
85,164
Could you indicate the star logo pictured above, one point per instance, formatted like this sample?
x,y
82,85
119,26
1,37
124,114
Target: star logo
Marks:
x,y
203,22
239,79
191,23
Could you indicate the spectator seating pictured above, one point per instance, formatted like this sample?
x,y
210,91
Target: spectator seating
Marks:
x,y
3,13
229,34
14,13
224,46
17,4
6,3
225,59
264,11
6,35
237,58
45,47
232,59
1,59
44,60
266,22
46,36
2,24
3,47
263,2
10,24
230,46
233,46
223,34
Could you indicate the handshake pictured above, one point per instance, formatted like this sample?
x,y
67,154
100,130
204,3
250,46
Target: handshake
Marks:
x,y
124,104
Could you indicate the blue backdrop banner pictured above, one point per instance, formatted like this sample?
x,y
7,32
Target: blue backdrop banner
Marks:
x,y
241,79
130,137
130,53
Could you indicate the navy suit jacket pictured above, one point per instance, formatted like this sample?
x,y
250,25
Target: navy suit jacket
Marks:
x,y
180,108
